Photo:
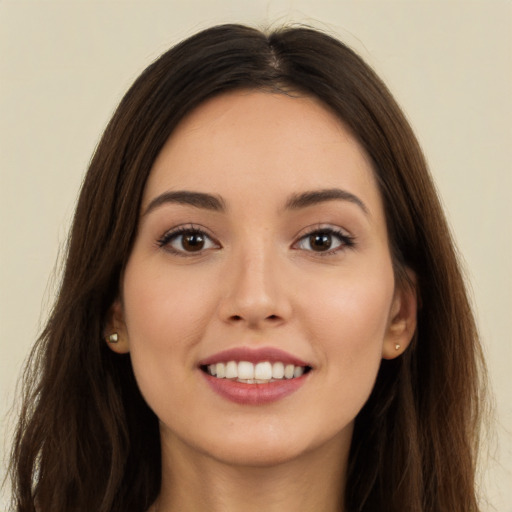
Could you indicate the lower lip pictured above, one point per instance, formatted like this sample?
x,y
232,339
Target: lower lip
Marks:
x,y
254,394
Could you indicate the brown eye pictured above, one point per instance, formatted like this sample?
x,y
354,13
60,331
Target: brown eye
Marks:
x,y
192,242
325,240
186,241
320,241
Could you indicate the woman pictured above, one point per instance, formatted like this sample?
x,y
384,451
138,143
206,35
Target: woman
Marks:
x,y
261,304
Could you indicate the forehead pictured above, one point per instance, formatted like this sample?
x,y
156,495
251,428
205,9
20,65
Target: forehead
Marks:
x,y
264,143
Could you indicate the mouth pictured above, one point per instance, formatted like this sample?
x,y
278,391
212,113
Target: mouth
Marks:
x,y
255,376
263,372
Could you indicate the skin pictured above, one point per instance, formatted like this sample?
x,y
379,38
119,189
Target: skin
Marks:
x,y
258,282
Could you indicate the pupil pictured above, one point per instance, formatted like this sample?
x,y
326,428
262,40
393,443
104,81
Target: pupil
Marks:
x,y
193,242
320,241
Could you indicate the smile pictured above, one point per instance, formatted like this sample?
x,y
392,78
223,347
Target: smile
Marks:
x,y
249,376
260,373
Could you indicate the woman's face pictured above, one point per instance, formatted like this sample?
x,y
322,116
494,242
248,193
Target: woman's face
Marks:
x,y
261,253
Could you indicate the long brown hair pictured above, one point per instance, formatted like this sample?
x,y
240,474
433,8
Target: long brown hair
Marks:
x,y
87,441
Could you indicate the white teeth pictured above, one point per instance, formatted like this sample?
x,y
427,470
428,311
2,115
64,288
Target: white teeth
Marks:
x,y
261,373
245,370
220,370
288,371
298,371
277,370
231,370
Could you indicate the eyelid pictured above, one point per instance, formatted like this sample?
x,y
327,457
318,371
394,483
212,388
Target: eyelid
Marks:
x,y
313,228
164,242
347,239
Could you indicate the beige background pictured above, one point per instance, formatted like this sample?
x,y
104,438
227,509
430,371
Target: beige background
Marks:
x,y
64,66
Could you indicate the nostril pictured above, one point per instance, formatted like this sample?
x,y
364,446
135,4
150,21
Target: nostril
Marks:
x,y
238,318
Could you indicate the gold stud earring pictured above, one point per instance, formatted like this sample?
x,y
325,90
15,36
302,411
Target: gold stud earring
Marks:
x,y
397,347
113,338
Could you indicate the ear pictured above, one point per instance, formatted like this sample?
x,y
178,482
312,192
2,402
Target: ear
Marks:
x,y
115,324
402,319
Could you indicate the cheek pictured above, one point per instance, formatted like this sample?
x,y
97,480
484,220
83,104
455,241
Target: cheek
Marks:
x,y
349,325
165,317
355,305
163,308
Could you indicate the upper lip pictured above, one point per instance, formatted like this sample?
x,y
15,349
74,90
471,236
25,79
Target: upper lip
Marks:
x,y
253,355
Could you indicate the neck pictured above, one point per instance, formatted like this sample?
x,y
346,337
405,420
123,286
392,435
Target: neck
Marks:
x,y
192,481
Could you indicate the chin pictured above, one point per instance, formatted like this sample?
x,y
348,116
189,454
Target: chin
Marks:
x,y
255,455
273,446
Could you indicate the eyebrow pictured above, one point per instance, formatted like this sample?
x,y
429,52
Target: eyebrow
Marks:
x,y
196,199
216,203
314,197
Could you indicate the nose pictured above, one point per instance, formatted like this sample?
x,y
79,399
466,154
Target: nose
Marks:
x,y
255,292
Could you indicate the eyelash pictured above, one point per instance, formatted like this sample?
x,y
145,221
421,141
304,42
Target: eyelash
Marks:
x,y
346,241
165,241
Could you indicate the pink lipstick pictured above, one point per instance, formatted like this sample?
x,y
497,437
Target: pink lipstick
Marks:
x,y
253,355
254,376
